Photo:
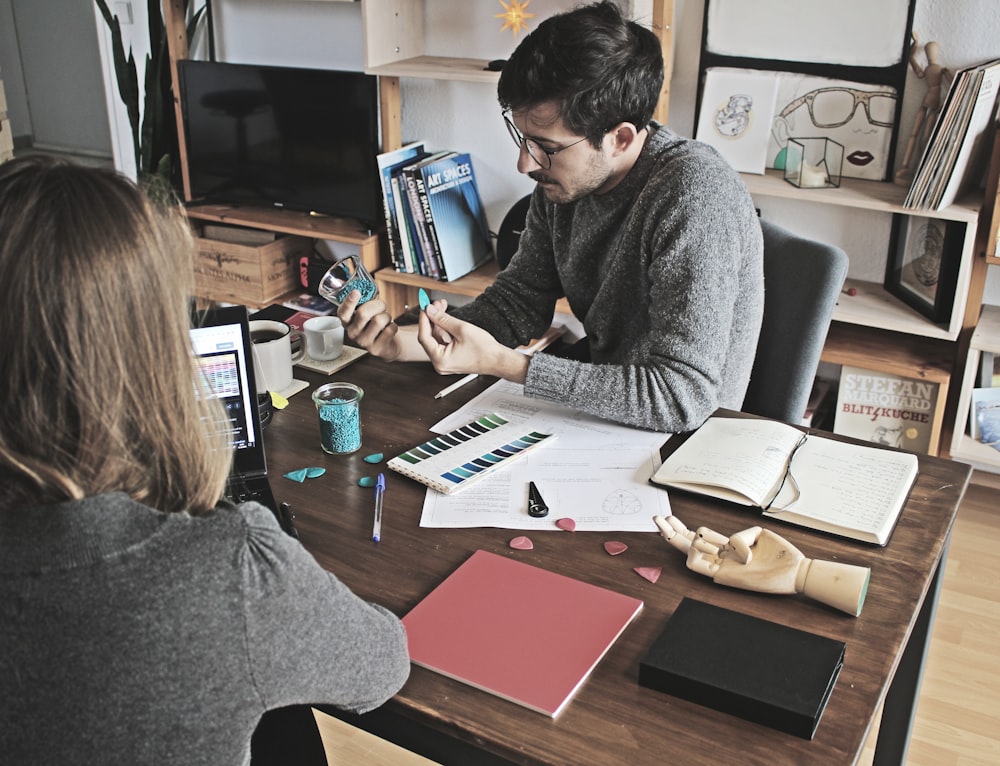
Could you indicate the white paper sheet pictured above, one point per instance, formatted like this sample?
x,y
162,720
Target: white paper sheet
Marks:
x,y
596,472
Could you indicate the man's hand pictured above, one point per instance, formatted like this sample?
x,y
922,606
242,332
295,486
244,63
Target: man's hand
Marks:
x,y
370,327
454,346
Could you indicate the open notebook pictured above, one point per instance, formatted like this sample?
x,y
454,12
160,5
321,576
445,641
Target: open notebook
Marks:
x,y
221,341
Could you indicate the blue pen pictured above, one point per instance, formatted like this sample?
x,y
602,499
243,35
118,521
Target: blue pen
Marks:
x,y
379,491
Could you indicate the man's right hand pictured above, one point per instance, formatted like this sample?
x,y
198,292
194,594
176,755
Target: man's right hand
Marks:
x,y
370,326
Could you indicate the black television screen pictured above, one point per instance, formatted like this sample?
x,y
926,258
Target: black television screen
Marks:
x,y
302,139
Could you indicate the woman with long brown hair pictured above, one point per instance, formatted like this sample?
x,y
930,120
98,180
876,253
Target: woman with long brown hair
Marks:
x,y
143,620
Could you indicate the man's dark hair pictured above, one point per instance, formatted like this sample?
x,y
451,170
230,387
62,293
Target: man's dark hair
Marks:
x,y
600,68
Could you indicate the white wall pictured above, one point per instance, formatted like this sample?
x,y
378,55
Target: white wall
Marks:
x,y
459,115
52,75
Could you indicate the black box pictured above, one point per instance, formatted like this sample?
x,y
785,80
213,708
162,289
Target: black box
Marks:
x,y
745,666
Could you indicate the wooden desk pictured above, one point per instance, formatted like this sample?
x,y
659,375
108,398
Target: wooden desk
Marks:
x,y
612,720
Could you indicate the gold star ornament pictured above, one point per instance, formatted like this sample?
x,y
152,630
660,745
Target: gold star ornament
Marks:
x,y
515,15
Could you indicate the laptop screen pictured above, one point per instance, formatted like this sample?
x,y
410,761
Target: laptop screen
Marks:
x,y
221,342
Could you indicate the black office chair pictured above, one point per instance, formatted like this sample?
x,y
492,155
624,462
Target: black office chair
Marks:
x,y
510,230
802,283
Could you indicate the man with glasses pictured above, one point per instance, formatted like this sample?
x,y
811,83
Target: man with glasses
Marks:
x,y
652,239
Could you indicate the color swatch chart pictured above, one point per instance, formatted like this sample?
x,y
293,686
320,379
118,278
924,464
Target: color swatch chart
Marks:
x,y
452,461
221,372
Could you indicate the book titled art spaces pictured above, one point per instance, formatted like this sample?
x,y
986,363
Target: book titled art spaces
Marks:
x,y
454,214
885,409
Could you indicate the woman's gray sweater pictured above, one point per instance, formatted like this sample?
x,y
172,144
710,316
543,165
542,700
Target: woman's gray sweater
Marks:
x,y
132,636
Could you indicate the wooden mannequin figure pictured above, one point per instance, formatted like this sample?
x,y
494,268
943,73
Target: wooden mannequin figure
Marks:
x,y
935,75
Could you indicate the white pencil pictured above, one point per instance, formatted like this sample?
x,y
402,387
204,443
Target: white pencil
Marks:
x,y
456,385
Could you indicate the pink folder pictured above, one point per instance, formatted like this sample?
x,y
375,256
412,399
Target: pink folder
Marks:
x,y
518,631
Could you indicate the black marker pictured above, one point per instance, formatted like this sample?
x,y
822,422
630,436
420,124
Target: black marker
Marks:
x,y
536,506
285,519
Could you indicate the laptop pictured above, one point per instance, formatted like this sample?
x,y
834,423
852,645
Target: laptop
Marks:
x,y
221,340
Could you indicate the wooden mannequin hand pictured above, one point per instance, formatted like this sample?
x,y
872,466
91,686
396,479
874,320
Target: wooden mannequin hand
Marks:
x,y
759,560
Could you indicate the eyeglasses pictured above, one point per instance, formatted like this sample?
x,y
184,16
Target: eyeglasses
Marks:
x,y
537,152
833,107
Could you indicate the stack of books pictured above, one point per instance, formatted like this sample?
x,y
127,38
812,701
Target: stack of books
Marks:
x,y
435,220
950,159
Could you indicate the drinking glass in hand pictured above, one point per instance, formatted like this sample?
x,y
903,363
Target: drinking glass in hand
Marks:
x,y
344,276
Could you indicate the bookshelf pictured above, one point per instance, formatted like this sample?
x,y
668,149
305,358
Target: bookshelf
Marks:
x,y
332,228
873,306
396,46
985,340
982,327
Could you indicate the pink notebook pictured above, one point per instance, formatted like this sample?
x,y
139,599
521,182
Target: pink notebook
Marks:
x,y
523,633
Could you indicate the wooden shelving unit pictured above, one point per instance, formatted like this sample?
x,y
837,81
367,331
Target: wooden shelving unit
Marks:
x,y
982,328
399,290
343,230
270,219
873,306
985,339
873,329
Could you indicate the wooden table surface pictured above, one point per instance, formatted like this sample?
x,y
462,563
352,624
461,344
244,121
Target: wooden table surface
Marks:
x,y
611,719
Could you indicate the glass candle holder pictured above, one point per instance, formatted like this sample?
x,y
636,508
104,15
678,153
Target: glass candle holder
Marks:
x,y
813,163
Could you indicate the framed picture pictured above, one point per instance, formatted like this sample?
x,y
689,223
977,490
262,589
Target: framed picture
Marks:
x,y
844,83
924,257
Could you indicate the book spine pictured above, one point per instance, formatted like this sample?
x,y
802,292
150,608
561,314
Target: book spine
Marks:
x,y
391,228
419,230
434,244
410,263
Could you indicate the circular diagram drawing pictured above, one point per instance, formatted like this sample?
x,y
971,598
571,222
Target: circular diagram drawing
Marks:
x,y
621,502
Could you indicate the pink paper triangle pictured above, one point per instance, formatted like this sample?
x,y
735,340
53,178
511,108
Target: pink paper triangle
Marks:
x,y
650,573
613,547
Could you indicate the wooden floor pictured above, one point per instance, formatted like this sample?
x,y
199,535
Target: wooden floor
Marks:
x,y
958,716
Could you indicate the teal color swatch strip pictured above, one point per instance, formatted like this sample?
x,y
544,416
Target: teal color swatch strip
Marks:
x,y
448,462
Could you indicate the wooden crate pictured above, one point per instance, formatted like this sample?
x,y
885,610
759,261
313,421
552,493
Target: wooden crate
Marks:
x,y
253,275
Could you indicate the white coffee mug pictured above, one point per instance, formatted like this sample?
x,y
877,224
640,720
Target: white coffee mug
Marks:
x,y
324,337
272,354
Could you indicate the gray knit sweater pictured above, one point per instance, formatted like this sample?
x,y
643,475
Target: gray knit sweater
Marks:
x,y
130,636
665,272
